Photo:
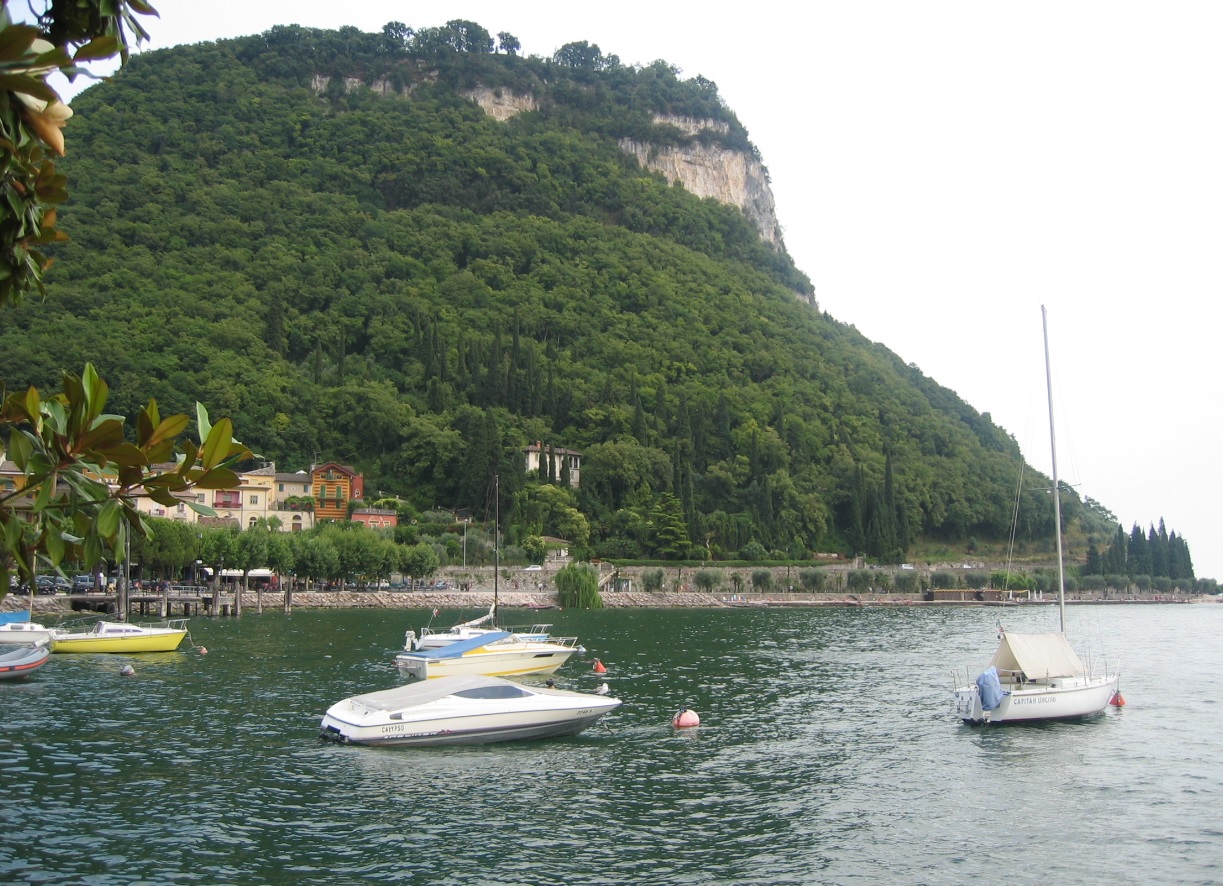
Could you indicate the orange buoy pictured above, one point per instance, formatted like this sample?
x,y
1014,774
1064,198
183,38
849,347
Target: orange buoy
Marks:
x,y
599,668
1118,700
685,719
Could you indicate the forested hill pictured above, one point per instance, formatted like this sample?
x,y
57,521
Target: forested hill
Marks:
x,y
320,235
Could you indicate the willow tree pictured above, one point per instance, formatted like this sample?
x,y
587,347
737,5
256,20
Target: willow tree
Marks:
x,y
577,586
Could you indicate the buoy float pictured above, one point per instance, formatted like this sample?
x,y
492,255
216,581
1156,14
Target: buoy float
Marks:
x,y
203,650
127,671
599,668
1118,700
685,719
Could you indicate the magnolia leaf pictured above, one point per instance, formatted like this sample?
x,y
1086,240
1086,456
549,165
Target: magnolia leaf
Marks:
x,y
92,548
27,85
16,40
202,422
201,509
102,436
217,445
163,451
108,519
97,48
125,454
168,429
218,478
162,496
96,390
54,544
20,449
46,492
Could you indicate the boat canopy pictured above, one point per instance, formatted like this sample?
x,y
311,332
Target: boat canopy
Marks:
x,y
11,617
456,649
1038,656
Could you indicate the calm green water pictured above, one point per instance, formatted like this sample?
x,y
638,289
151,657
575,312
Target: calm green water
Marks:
x,y
826,754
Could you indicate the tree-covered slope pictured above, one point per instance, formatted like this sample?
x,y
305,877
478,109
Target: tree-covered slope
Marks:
x,y
391,278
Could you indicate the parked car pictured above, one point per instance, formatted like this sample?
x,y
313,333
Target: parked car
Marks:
x,y
82,584
533,568
50,585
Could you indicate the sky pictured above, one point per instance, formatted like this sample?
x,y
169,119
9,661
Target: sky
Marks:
x,y
942,170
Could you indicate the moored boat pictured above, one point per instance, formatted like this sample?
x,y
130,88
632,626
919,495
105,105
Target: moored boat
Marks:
x,y
1038,677
462,710
23,661
110,636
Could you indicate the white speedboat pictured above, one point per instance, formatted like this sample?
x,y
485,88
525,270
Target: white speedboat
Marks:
x,y
496,654
462,710
1037,677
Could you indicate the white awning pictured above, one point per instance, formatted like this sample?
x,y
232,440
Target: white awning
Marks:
x,y
1037,655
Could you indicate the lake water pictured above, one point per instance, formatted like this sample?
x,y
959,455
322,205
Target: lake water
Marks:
x,y
826,754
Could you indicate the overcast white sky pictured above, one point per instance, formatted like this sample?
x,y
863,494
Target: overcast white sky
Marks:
x,y
941,170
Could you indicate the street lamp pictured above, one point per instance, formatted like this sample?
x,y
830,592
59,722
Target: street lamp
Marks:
x,y
198,565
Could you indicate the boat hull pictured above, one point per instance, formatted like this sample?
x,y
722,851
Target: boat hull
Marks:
x,y
1070,698
490,661
459,731
22,662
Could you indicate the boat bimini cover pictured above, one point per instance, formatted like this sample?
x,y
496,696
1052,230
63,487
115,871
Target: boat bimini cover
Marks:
x,y
459,647
1038,656
990,689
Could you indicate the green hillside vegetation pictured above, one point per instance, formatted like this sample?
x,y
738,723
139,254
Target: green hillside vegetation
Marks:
x,y
389,278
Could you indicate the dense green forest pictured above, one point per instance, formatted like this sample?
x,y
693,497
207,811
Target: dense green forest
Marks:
x,y
319,235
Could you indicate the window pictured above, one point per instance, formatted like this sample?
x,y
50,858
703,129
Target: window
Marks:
x,y
254,499
199,498
280,487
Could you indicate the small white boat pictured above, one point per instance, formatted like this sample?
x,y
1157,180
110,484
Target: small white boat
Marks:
x,y
110,636
462,710
497,654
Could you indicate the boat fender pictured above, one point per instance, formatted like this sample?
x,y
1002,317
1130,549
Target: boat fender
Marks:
x,y
685,719
127,671
203,650
599,667
1118,700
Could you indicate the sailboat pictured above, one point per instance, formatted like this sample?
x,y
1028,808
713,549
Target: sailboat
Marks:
x,y
1038,677
487,651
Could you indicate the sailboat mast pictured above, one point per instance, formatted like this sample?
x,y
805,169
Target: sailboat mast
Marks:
x,y
496,540
1057,500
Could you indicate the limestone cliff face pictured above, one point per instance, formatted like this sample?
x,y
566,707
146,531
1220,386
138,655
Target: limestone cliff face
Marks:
x,y
713,171
501,104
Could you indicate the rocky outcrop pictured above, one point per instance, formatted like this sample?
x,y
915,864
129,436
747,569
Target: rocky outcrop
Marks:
x,y
501,104
709,170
